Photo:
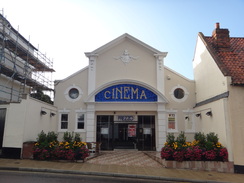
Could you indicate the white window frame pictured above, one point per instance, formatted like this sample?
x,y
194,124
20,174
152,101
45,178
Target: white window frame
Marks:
x,y
60,117
186,93
176,121
76,120
66,93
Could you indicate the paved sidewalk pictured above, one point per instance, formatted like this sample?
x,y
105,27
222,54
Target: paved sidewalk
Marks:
x,y
114,164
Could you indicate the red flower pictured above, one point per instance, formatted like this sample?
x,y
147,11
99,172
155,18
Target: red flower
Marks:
x,y
210,155
167,152
179,155
193,153
223,154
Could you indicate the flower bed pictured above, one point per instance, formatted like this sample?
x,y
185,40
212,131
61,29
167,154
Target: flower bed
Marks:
x,y
48,147
206,149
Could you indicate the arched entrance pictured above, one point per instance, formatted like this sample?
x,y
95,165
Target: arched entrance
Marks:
x,y
126,116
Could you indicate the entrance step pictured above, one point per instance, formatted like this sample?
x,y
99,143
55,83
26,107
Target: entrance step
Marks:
x,y
125,158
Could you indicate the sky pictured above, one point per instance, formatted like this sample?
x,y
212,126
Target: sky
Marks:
x,y
65,29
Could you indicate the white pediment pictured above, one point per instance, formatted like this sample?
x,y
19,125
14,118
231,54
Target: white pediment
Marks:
x,y
118,41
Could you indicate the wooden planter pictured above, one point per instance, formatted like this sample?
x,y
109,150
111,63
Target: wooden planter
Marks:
x,y
217,166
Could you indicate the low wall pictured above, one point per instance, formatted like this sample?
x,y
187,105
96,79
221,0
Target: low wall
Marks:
x,y
218,166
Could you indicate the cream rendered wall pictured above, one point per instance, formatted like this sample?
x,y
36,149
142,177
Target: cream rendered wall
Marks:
x,y
35,123
216,122
14,125
142,69
236,108
172,81
23,122
209,79
78,79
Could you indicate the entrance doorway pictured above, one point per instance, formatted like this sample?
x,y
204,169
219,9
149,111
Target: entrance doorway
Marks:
x,y
105,131
126,135
146,133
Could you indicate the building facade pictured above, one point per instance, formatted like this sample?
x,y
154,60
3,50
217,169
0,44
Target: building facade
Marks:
x,y
126,98
219,76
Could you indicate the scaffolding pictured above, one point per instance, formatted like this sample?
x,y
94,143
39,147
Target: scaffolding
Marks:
x,y
23,68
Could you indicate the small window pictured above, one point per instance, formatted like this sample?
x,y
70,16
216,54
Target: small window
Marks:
x,y
73,93
171,121
64,121
80,121
179,93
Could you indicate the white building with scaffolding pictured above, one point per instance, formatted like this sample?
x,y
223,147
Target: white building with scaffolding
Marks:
x,y
22,66
24,72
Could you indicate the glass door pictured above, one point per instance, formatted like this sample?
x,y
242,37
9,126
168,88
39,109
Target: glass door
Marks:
x,y
105,131
125,135
146,133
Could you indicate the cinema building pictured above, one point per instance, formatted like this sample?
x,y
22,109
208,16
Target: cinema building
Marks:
x,y
126,98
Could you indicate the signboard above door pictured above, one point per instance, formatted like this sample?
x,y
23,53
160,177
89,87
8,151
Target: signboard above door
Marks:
x,y
125,118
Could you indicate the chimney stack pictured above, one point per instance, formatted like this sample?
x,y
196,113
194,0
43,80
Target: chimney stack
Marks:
x,y
221,38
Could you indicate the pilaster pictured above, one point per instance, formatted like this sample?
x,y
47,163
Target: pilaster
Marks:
x,y
160,71
92,72
91,124
161,129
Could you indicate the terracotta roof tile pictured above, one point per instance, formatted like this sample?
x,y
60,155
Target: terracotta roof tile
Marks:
x,y
231,60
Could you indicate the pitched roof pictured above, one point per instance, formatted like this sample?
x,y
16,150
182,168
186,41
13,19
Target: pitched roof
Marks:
x,y
230,59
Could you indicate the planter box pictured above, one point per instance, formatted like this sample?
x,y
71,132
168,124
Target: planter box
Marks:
x,y
27,151
217,166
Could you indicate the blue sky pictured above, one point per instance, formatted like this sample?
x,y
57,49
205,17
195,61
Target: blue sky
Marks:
x,y
65,29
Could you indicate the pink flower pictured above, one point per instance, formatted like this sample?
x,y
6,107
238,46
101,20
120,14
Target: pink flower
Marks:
x,y
210,155
223,153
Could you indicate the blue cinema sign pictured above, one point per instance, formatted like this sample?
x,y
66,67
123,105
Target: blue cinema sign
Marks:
x,y
126,93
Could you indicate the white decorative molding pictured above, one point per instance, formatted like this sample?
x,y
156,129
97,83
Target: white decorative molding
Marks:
x,y
92,71
160,59
186,93
126,57
66,93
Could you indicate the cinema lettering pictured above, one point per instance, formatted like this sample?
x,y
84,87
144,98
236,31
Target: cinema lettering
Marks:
x,y
126,93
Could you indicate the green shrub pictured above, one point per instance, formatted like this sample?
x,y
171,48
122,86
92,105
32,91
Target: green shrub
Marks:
x,y
77,137
170,139
41,137
52,137
212,137
181,139
200,138
68,136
